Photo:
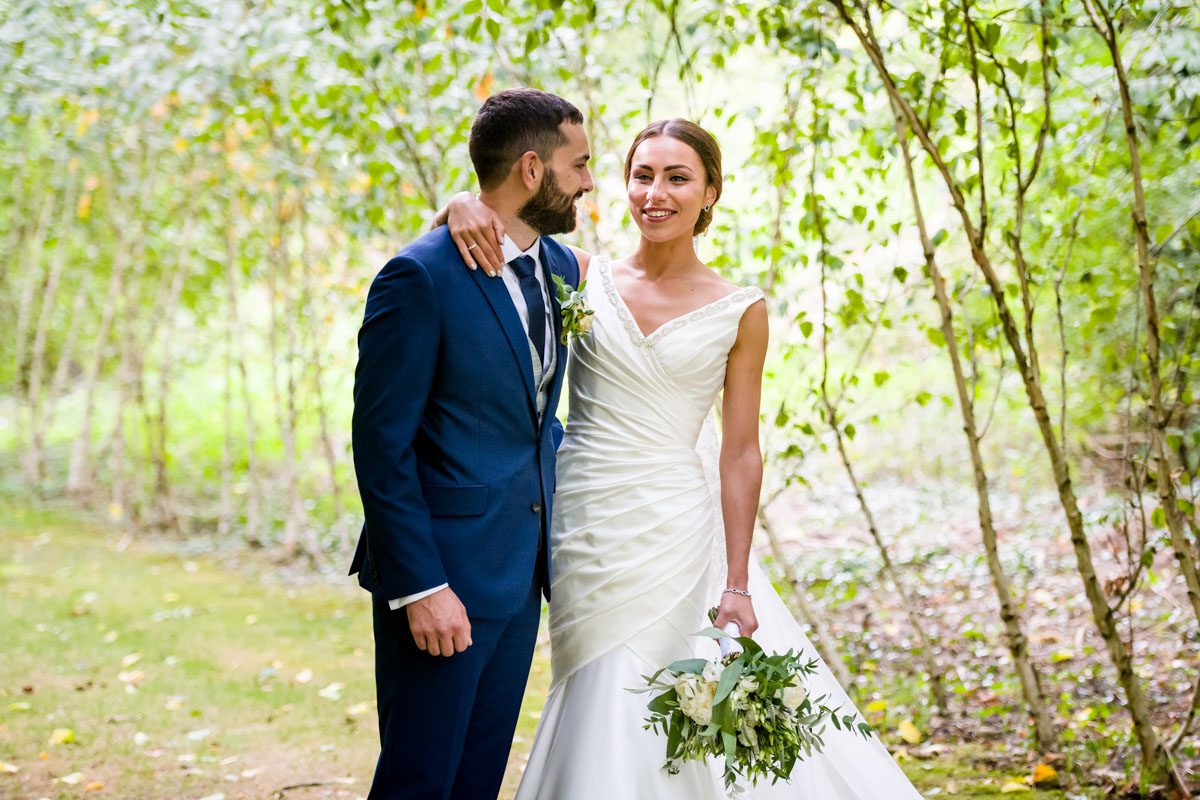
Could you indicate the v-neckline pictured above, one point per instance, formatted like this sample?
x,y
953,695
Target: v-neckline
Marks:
x,y
635,328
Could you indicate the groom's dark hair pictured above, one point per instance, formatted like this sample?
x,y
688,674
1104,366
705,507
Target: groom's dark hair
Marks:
x,y
513,122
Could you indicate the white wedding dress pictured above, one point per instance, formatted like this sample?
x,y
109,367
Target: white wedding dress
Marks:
x,y
638,556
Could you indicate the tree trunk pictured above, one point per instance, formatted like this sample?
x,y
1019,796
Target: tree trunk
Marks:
x,y
826,646
1035,700
79,473
937,684
1164,481
279,286
1154,760
253,533
34,456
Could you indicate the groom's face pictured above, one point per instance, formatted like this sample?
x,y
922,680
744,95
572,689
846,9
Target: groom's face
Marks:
x,y
565,178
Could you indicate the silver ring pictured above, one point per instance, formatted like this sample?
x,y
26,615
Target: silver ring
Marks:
x,y
471,247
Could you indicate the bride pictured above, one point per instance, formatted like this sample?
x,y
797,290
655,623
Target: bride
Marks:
x,y
652,518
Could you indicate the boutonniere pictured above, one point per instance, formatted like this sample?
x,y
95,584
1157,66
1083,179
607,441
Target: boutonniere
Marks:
x,y
576,315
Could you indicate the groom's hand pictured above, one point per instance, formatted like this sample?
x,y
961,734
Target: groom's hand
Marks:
x,y
439,623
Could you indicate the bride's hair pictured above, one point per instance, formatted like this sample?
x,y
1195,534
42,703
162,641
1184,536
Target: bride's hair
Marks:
x,y
694,137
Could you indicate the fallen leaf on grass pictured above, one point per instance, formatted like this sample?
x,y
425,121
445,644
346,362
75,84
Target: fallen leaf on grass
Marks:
x,y
1044,772
62,736
876,706
358,709
332,692
94,786
141,739
70,780
251,619
909,733
1013,786
131,659
132,677
304,676
9,769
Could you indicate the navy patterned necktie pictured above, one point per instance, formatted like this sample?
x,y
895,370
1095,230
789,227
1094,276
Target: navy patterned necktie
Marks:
x,y
531,290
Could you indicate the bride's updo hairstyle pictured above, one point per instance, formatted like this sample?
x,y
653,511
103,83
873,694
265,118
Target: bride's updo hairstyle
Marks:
x,y
694,137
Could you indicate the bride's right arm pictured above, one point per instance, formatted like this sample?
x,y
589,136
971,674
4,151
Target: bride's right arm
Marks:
x,y
476,231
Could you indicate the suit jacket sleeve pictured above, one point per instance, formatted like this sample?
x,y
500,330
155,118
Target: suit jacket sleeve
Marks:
x,y
397,357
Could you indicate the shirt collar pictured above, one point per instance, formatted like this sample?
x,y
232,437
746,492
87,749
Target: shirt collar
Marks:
x,y
510,250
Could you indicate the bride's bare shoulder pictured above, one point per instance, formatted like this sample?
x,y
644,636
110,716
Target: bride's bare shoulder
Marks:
x,y
584,258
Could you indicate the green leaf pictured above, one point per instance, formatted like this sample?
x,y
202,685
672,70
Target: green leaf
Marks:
x,y
729,679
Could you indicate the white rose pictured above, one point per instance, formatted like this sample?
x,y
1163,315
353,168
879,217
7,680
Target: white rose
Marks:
x,y
793,696
695,698
585,323
748,684
712,671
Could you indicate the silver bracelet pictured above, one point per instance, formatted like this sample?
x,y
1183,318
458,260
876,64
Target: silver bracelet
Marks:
x,y
731,590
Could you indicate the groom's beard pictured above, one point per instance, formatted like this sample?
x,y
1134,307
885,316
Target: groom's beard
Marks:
x,y
551,210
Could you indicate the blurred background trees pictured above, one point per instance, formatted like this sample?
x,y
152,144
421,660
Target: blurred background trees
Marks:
x,y
977,223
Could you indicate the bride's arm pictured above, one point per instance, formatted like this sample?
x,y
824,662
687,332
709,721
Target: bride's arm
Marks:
x,y
741,462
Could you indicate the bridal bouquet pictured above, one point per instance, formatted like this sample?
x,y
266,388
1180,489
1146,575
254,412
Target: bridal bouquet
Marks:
x,y
751,708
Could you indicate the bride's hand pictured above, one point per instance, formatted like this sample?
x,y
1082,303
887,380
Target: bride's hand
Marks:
x,y
476,231
737,608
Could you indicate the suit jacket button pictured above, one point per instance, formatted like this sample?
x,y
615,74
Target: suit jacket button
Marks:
x,y
536,508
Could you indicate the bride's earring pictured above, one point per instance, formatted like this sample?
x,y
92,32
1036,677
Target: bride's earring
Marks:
x,y
707,208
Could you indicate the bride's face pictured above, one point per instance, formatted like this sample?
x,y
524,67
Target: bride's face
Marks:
x,y
667,188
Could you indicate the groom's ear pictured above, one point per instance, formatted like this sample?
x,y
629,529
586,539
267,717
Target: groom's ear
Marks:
x,y
531,169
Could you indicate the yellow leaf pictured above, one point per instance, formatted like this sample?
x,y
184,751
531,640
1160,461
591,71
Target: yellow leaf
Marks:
x,y
877,705
94,786
62,736
1013,786
1059,656
179,144
1044,772
909,733
84,207
483,89
9,769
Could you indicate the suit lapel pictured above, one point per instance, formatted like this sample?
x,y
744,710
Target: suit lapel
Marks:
x,y
502,306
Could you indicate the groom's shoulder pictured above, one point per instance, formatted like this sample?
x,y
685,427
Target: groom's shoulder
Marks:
x,y
433,250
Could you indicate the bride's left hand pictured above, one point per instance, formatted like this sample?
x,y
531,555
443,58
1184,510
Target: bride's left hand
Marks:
x,y
737,608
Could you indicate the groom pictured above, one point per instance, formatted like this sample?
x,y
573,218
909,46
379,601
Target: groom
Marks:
x,y
454,438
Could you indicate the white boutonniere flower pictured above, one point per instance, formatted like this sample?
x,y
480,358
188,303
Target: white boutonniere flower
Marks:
x,y
576,314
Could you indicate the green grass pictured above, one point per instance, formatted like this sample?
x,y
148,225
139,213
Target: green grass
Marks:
x,y
183,677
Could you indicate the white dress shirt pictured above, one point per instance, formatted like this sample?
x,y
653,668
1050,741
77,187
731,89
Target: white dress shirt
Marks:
x,y
510,251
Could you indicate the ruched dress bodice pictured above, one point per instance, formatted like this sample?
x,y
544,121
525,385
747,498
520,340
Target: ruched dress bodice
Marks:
x,y
633,514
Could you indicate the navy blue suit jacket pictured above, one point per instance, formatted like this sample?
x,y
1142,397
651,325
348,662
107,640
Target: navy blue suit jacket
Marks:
x,y
456,475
